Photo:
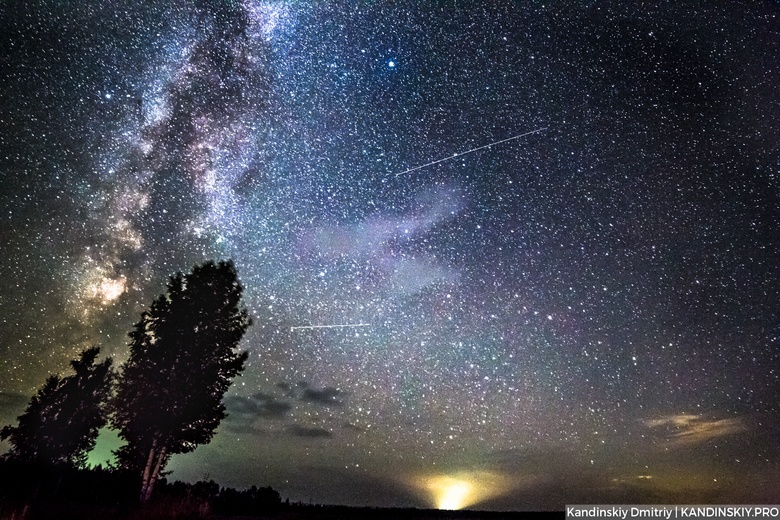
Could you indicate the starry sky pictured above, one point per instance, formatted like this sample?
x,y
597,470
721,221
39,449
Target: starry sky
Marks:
x,y
505,256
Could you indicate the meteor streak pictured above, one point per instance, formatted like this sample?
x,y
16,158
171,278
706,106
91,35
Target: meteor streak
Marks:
x,y
299,327
472,150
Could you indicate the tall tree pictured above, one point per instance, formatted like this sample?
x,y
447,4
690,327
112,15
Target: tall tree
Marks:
x,y
61,423
183,357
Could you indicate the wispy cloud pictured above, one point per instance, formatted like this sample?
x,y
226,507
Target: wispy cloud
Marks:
x,y
683,429
377,241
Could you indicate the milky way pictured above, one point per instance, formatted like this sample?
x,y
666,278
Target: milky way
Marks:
x,y
527,250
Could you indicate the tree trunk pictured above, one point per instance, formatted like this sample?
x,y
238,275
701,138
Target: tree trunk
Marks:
x,y
148,470
154,475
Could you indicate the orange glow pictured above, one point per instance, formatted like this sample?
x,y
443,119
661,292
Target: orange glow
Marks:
x,y
463,489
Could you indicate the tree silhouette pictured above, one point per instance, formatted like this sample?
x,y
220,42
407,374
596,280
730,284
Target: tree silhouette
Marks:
x,y
61,423
183,358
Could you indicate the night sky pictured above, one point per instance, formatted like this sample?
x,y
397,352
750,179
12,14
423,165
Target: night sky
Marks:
x,y
539,241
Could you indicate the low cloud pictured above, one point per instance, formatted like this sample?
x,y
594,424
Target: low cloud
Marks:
x,y
327,396
243,412
303,391
269,407
686,430
287,389
297,430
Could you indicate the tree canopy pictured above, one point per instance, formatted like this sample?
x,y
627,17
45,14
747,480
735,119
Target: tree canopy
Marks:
x,y
183,357
61,423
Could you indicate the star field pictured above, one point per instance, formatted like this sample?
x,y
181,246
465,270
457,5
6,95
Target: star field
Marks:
x,y
529,246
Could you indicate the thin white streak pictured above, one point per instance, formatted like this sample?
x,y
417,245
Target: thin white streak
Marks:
x,y
470,151
329,326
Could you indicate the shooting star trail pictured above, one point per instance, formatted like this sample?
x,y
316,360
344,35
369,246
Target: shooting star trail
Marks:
x,y
472,150
300,327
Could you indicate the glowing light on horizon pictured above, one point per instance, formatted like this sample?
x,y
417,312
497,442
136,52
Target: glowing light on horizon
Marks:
x,y
463,489
454,495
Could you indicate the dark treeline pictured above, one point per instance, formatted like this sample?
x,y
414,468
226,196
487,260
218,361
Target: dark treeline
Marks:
x,y
222,500
37,491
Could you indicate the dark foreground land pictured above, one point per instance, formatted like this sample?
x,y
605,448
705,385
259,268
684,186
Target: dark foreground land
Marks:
x,y
29,492
342,512
293,512
167,510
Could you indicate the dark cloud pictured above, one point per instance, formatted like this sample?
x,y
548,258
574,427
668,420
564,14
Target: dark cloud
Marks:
x,y
328,396
303,391
237,405
244,411
288,390
270,407
303,431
